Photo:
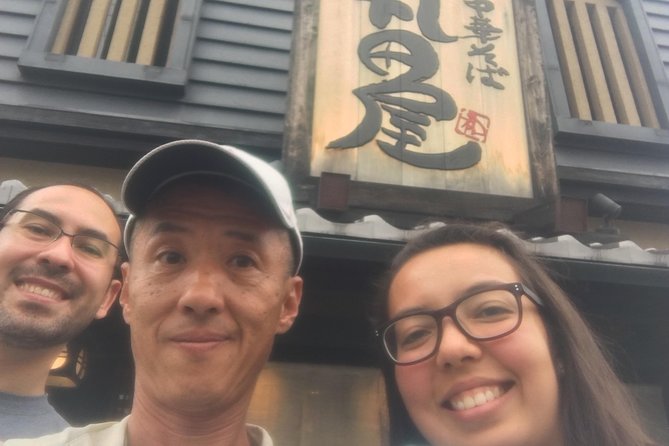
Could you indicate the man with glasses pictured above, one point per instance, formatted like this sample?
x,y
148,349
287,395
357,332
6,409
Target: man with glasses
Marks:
x,y
59,247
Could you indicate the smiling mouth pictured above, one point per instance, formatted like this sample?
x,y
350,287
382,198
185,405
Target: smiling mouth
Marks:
x,y
199,341
476,397
200,338
40,290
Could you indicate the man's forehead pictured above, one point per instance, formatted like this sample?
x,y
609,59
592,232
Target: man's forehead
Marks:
x,y
60,194
173,218
217,213
73,204
241,232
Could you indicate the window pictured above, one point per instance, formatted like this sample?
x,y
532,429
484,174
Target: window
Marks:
x,y
136,42
604,72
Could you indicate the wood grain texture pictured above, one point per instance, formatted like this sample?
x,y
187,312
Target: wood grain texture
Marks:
x,y
591,65
123,30
634,69
241,81
349,410
94,28
613,65
517,172
148,44
66,26
337,111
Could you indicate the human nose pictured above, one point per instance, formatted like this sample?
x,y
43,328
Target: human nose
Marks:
x,y
203,295
454,346
58,253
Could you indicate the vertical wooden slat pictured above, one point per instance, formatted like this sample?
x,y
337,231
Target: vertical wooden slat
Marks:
x,y
635,71
573,80
591,64
350,21
107,29
66,26
612,62
90,39
152,27
123,31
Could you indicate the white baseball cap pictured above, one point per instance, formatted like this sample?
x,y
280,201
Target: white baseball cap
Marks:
x,y
189,157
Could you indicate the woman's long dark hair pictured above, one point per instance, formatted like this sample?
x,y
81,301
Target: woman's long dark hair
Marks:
x,y
595,407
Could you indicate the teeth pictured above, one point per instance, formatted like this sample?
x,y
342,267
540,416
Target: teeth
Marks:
x,y
42,291
475,398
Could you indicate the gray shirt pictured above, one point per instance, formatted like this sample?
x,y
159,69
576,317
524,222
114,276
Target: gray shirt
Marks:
x,y
28,417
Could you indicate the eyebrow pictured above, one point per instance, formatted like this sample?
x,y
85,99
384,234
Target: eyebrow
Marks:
x,y
469,291
89,232
243,236
167,227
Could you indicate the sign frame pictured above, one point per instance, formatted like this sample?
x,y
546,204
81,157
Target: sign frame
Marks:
x,y
538,211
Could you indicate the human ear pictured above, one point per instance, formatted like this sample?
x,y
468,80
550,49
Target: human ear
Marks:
x,y
291,304
110,296
124,299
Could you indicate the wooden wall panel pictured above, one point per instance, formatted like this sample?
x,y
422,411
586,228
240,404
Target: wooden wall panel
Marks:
x,y
349,410
94,28
66,26
152,27
10,48
618,83
241,55
275,5
234,12
16,25
243,35
123,30
638,82
20,7
602,106
239,73
657,12
602,72
574,83
240,76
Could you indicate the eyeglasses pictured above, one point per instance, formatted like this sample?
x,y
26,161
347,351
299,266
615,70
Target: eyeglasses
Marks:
x,y
488,314
39,229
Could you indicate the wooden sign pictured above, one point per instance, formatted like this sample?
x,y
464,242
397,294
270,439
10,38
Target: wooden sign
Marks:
x,y
428,106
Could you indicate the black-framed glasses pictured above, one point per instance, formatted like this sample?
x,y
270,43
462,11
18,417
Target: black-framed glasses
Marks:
x,y
39,229
487,314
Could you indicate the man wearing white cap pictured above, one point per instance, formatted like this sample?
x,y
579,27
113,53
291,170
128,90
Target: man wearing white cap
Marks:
x,y
214,252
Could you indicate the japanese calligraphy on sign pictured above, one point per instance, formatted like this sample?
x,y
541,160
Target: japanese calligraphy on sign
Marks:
x,y
422,93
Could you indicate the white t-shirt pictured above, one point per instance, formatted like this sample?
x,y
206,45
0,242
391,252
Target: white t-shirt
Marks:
x,y
113,434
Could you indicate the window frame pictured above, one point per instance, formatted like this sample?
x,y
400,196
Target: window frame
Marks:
x,y
38,63
604,135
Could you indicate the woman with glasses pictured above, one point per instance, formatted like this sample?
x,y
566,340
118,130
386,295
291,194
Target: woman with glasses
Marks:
x,y
485,349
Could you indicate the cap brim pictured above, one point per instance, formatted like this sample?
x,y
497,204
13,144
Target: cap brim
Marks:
x,y
175,160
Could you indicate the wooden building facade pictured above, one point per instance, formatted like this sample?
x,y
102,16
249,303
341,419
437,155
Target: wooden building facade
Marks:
x,y
579,87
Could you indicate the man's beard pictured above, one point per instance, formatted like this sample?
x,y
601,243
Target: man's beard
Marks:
x,y
32,327
35,333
